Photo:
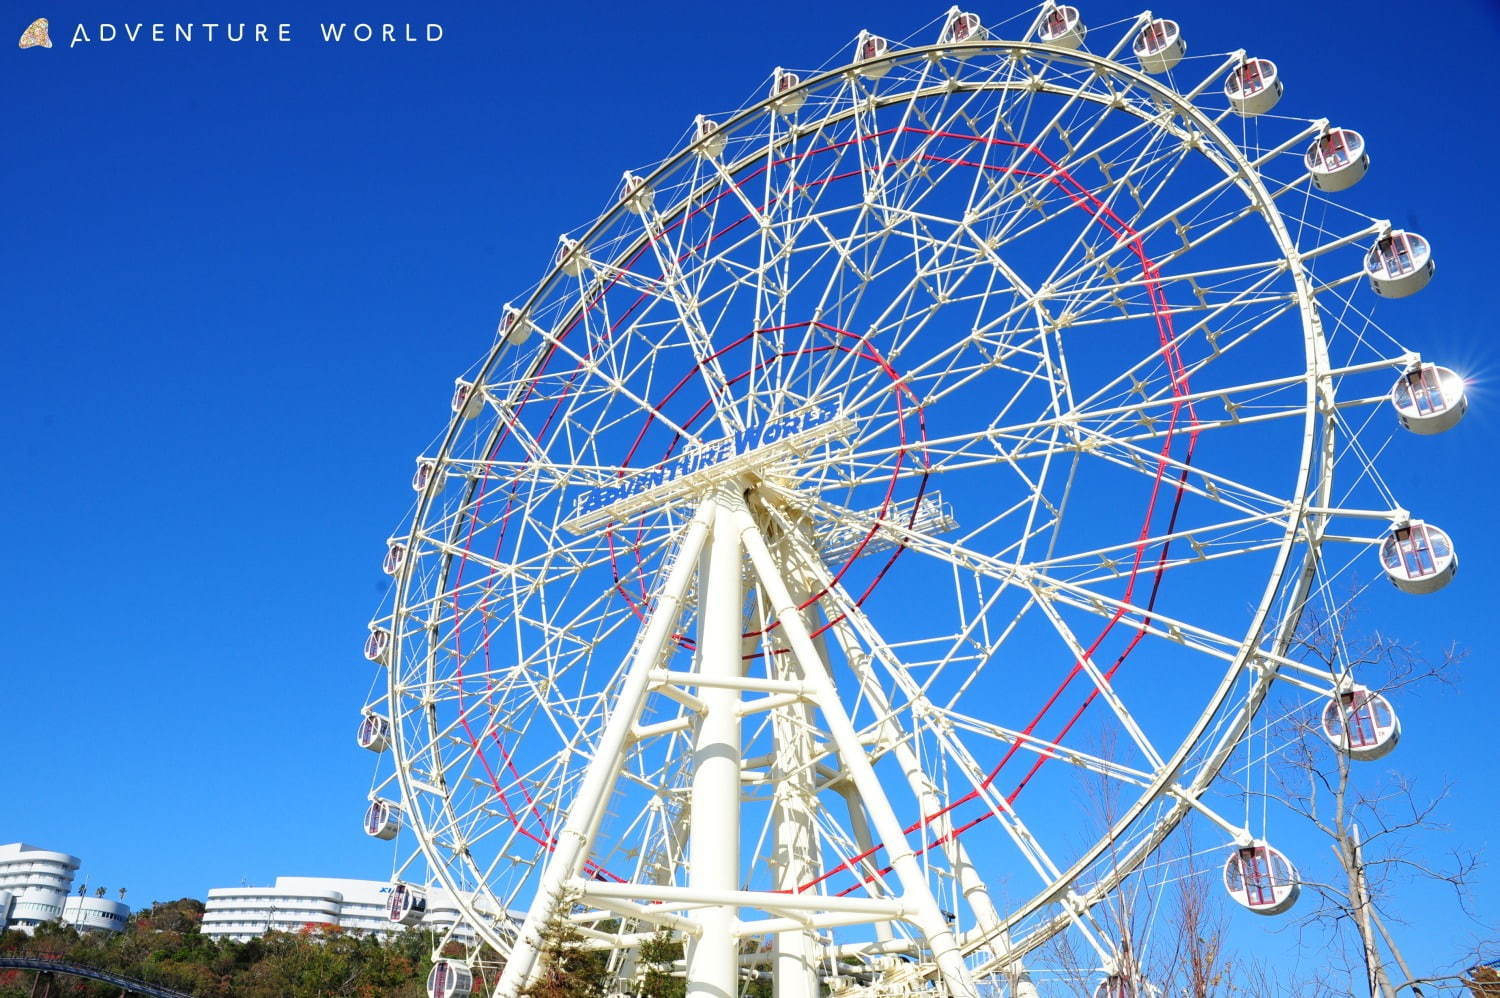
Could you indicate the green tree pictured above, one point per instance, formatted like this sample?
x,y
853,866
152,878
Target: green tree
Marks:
x,y
567,969
162,944
658,956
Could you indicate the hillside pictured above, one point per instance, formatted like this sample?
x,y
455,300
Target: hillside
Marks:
x,y
162,944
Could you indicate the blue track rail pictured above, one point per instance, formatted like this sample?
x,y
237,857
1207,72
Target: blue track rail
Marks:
x,y
79,970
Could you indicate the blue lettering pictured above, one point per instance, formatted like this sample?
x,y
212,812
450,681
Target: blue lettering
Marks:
x,y
698,458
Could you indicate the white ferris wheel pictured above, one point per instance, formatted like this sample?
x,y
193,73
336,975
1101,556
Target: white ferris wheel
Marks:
x,y
965,423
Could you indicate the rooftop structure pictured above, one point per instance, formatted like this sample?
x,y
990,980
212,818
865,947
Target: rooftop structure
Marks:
x,y
294,904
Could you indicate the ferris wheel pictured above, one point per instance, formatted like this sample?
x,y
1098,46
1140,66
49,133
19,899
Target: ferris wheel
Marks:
x,y
963,425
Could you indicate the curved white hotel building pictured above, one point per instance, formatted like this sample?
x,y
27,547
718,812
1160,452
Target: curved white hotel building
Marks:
x,y
36,886
298,903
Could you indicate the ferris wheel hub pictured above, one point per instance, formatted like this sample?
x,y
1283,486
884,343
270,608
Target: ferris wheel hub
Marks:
x,y
699,469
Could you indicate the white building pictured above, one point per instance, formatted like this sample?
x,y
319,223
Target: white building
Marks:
x,y
298,903
95,914
36,886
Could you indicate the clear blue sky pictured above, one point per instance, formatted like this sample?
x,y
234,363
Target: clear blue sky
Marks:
x,y
238,281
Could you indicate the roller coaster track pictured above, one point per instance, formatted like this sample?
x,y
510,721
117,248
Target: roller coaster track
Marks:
x,y
79,970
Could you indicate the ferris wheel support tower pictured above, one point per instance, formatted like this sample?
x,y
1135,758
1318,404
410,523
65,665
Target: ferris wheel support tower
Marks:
x,y
721,538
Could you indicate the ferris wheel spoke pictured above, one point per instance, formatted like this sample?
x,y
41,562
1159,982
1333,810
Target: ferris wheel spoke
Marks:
x,y
849,621
1243,404
1219,227
1093,207
1155,464
911,178
989,144
1148,126
1188,278
1110,768
855,622
1174,216
684,301
1102,685
614,384
1146,620
1039,442
1139,374
777,244
819,249
469,825
1082,153
1109,307
524,575
1077,594
559,473
1214,542
940,362
1100,86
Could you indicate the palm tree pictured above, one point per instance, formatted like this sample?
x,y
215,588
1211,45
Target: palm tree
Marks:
x,y
99,892
122,895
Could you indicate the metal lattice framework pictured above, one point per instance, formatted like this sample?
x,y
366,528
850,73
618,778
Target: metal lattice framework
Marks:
x,y
946,432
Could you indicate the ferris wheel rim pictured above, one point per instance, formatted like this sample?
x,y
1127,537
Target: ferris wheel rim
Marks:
x,y
1315,362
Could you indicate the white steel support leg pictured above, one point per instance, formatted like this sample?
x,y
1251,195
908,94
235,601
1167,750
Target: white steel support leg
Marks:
x,y
794,969
858,824
927,916
975,891
714,836
861,829
598,779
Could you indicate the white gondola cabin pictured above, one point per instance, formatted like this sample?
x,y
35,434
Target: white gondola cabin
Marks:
x,y
638,197
382,819
514,328
786,98
963,26
1337,160
426,472
1062,26
466,402
449,979
1159,46
870,54
1253,88
1261,879
374,733
570,257
378,644
406,905
1399,264
1361,723
1429,399
395,556
709,139
1418,557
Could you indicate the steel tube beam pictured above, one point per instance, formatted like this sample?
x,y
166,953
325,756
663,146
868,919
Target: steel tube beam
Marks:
x,y
714,836
926,914
598,779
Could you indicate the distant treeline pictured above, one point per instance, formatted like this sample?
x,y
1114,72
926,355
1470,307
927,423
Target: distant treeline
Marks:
x,y
162,945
